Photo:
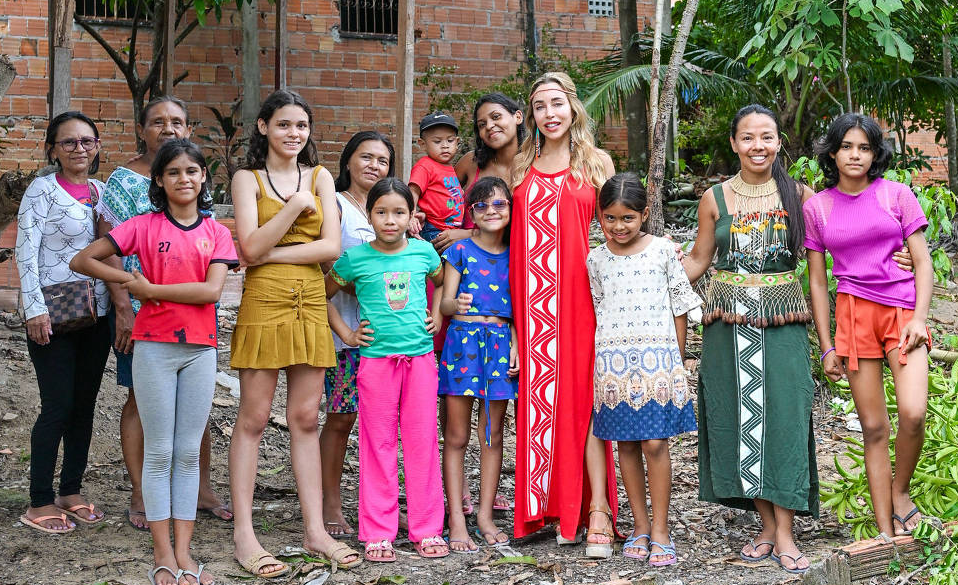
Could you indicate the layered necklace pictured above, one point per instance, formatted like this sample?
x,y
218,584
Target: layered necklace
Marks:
x,y
759,231
299,182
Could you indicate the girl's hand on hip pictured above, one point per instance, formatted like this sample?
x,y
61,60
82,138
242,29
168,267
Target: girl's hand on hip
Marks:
x,y
141,288
833,366
463,303
903,259
362,336
431,327
913,334
39,329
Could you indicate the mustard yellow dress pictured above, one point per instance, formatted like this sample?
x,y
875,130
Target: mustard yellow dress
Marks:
x,y
282,316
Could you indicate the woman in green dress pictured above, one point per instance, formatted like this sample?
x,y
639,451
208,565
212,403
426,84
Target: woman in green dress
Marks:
x,y
755,392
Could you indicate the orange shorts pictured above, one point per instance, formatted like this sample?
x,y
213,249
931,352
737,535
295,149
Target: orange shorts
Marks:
x,y
866,329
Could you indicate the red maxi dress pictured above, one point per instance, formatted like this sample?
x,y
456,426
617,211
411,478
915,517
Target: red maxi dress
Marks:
x,y
555,320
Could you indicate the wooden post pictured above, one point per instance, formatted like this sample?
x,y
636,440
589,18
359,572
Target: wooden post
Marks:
x,y
405,67
282,44
251,74
169,26
61,53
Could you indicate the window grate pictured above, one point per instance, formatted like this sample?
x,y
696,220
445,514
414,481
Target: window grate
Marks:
x,y
369,19
109,12
601,8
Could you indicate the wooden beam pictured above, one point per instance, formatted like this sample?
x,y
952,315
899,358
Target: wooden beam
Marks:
x,y
60,25
169,26
282,44
251,74
405,68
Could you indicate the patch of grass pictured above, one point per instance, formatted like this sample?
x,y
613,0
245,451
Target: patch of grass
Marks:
x,y
24,456
13,498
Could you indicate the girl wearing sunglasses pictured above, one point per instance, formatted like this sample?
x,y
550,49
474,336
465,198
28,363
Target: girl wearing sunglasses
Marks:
x,y
479,357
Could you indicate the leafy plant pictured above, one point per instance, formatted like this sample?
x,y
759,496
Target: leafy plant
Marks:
x,y
225,142
935,484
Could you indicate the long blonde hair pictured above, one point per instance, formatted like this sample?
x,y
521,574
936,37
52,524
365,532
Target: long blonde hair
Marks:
x,y
584,161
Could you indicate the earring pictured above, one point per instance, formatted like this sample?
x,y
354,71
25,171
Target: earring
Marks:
x,y
537,142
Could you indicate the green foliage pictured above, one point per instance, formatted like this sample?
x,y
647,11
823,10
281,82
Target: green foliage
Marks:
x,y
935,484
940,551
225,141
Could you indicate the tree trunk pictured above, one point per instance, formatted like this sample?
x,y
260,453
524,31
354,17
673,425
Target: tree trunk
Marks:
x,y
951,132
656,223
656,65
635,107
531,40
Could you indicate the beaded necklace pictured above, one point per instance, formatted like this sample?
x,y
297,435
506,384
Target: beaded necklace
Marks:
x,y
756,208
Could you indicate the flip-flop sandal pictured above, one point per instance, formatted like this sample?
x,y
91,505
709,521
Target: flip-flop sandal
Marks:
x,y
495,541
902,521
151,575
667,550
35,523
431,541
630,542
502,503
384,546
221,508
342,534
260,559
196,575
129,518
467,551
755,546
796,571
72,512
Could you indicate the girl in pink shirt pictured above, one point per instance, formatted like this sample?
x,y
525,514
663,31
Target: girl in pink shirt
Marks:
x,y
881,309
184,255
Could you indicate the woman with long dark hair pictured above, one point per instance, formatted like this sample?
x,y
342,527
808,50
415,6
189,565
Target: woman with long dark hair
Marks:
x,y
281,199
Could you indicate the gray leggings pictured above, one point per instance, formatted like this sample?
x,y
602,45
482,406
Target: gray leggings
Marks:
x,y
173,384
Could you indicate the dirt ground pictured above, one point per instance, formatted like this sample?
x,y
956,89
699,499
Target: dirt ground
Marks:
x,y
708,537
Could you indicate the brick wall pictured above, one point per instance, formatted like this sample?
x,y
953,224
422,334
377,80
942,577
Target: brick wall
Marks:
x,y
350,82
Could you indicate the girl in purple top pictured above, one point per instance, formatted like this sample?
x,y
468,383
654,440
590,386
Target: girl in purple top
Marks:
x,y
881,309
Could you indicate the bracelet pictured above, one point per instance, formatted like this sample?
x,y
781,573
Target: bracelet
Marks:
x,y
828,351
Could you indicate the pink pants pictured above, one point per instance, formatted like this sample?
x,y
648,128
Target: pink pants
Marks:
x,y
398,393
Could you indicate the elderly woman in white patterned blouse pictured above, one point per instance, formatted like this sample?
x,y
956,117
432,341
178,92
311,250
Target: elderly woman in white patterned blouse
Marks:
x,y
54,223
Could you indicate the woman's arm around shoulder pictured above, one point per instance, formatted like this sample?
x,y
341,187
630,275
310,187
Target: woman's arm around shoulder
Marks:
x,y
607,165
466,168
700,258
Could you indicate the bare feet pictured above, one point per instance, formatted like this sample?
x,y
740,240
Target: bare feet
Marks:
x,y
336,524
187,564
56,523
136,512
208,501
90,515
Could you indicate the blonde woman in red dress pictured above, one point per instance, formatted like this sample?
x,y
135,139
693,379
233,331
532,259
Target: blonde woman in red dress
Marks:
x,y
564,474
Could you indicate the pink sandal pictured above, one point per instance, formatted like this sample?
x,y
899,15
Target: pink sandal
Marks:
x,y
501,503
433,542
380,545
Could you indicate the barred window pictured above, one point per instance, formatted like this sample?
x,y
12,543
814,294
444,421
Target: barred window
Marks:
x,y
601,8
369,19
108,12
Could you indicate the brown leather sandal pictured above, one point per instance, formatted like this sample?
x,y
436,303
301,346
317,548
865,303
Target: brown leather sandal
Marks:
x,y
599,550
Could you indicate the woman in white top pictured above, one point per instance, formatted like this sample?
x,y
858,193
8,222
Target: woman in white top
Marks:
x,y
54,223
366,158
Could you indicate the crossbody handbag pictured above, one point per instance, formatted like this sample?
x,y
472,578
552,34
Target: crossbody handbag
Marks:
x,y
72,305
